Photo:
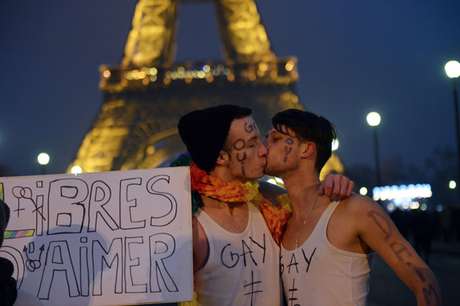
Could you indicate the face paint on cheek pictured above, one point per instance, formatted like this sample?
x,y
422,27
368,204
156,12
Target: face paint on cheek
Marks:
x,y
239,144
241,157
287,148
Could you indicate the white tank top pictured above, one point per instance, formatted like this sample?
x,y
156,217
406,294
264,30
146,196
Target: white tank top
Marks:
x,y
242,268
319,274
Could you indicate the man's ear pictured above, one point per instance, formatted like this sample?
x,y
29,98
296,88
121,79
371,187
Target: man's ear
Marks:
x,y
307,150
223,158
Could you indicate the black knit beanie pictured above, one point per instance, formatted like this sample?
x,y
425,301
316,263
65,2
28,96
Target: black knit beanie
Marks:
x,y
205,131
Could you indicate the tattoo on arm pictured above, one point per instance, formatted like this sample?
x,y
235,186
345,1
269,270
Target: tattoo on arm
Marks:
x,y
382,223
401,251
432,295
430,289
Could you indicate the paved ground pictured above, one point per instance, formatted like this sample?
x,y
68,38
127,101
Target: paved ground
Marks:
x,y
388,290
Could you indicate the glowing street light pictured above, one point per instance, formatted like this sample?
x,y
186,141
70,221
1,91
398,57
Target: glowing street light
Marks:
x,y
335,145
363,191
75,170
414,205
452,184
452,69
43,160
373,120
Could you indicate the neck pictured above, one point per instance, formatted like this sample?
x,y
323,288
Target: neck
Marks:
x,y
218,199
227,208
225,175
302,186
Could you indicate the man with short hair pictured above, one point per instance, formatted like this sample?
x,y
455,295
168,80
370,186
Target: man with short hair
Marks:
x,y
325,248
236,259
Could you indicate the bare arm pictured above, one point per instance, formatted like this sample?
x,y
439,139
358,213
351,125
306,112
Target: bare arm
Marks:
x,y
200,246
377,230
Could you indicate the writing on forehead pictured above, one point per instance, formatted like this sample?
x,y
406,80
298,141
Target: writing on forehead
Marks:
x,y
249,126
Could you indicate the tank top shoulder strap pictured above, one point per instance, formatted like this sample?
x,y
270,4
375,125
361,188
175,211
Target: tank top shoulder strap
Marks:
x,y
325,217
206,221
209,227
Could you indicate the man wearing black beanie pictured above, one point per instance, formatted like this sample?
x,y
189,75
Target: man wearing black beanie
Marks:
x,y
235,246
8,292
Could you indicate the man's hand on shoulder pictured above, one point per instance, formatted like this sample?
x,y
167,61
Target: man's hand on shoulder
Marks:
x,y
337,187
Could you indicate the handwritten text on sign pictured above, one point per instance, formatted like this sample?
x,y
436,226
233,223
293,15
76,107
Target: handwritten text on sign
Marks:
x,y
112,238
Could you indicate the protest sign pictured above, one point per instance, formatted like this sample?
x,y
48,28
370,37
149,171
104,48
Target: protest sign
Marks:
x,y
110,238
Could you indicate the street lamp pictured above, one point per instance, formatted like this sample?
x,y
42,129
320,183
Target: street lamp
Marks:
x,y
335,145
76,170
452,184
373,120
452,69
43,159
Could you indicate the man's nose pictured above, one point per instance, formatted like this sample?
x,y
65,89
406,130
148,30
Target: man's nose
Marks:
x,y
262,150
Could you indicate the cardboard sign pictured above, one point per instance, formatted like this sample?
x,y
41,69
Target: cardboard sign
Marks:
x,y
112,238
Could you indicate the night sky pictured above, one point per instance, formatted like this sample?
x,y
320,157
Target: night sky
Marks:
x,y
354,57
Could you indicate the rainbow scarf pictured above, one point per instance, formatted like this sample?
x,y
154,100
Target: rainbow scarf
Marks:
x,y
276,216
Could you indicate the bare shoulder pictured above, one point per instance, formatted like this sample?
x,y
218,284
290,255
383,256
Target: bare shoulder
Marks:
x,y
368,218
270,191
359,206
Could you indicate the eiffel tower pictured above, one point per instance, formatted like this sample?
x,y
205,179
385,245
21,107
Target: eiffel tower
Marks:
x,y
148,92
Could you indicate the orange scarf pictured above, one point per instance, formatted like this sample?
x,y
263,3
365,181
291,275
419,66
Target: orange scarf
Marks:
x,y
276,217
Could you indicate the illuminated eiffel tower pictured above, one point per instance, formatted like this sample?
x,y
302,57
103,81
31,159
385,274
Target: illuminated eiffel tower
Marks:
x,y
146,95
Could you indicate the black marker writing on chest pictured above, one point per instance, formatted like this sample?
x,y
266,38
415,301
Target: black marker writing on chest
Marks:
x,y
307,258
248,251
